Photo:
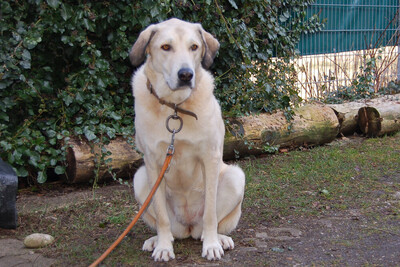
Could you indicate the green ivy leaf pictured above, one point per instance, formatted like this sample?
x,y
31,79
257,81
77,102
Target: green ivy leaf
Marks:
x,y
26,55
89,134
68,100
25,64
87,25
53,3
21,172
4,117
154,12
233,3
41,177
53,162
59,170
66,12
32,42
79,98
115,116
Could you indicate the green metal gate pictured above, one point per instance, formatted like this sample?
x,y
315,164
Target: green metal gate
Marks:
x,y
351,25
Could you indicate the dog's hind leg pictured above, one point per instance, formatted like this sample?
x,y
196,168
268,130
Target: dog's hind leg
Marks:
x,y
229,202
229,196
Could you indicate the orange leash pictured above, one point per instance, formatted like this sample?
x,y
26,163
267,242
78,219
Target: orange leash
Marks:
x,y
167,161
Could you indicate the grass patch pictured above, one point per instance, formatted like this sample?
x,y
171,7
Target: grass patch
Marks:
x,y
328,177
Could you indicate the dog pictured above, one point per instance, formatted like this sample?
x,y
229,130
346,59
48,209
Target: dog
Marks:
x,y
200,196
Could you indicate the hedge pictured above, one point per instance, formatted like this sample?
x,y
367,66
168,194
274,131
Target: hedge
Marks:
x,y
64,68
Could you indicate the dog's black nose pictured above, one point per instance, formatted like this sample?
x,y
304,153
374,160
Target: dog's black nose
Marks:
x,y
185,74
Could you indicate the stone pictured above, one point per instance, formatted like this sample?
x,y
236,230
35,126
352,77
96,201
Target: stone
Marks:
x,y
262,235
38,240
281,234
8,196
286,231
261,244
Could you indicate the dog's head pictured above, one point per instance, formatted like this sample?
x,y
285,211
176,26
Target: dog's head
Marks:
x,y
175,49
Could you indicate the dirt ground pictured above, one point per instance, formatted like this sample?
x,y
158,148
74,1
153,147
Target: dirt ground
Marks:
x,y
332,238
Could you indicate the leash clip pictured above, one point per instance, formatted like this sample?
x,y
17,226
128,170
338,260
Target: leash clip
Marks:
x,y
171,147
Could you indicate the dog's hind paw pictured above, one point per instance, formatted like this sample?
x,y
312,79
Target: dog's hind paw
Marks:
x,y
226,242
150,244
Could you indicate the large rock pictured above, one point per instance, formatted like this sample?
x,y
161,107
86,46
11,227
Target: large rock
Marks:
x,y
38,240
8,196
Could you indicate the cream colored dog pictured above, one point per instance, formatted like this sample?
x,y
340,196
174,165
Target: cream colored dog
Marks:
x,y
200,195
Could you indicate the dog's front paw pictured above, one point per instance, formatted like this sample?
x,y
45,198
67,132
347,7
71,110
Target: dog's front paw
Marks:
x,y
161,253
212,250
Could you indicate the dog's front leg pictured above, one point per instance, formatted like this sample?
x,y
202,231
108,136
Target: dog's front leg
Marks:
x,y
212,249
162,243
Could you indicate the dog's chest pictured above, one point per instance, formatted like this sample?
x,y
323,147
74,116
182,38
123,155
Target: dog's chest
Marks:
x,y
186,168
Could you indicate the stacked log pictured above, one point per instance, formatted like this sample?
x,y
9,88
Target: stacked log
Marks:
x,y
311,125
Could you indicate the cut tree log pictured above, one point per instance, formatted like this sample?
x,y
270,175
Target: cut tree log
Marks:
x,y
81,158
372,117
380,118
311,125
347,114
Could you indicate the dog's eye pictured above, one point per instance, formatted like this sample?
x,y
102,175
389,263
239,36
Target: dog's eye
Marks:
x,y
166,47
194,47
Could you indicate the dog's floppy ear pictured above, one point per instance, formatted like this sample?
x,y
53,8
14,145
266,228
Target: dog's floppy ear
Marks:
x,y
211,46
138,52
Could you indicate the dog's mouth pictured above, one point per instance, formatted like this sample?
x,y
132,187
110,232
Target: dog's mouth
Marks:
x,y
183,86
180,87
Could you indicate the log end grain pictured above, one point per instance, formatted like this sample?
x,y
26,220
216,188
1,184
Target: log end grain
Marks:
x,y
369,121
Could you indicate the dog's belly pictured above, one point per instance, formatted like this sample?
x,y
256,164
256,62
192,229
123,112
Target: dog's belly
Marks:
x,y
187,209
185,191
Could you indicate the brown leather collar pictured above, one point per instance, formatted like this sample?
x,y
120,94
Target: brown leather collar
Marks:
x,y
175,107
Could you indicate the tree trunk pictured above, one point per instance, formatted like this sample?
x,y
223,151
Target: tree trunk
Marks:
x,y
82,158
311,125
